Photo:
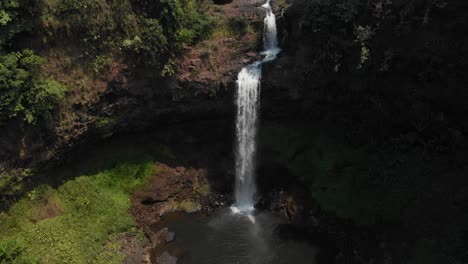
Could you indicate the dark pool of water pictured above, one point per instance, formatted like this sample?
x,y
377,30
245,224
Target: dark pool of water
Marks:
x,y
227,238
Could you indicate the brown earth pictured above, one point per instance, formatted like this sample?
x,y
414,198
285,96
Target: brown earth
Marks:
x,y
47,209
217,61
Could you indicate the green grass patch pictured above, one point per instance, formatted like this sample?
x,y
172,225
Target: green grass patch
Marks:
x,y
232,27
78,222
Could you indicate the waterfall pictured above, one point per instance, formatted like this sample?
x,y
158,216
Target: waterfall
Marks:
x,y
270,39
248,95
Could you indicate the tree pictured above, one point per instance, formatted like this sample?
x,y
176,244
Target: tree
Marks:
x,y
23,93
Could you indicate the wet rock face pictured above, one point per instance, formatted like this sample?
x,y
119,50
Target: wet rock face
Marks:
x,y
163,236
170,237
174,189
169,190
166,258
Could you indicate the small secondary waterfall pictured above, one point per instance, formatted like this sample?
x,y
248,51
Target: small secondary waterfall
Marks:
x,y
248,94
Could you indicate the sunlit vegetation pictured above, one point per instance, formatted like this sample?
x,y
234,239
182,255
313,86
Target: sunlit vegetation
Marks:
x,y
24,93
232,27
81,221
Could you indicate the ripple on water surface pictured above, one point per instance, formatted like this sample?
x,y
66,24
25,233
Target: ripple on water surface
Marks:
x,y
228,238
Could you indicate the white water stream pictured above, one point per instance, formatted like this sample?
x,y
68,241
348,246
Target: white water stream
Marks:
x,y
248,95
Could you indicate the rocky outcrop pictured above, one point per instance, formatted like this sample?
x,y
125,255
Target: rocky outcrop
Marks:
x,y
170,190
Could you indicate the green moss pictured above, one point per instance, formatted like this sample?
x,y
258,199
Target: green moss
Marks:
x,y
201,188
104,122
186,205
282,3
95,210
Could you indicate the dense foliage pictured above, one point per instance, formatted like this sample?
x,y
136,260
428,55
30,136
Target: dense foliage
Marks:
x,y
16,16
398,63
22,92
149,32
146,33
166,27
392,74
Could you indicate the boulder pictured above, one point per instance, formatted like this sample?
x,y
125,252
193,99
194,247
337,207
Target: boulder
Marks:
x,y
166,258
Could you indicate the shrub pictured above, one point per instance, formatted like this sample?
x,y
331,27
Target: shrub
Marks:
x,y
154,43
165,27
23,92
324,15
8,14
16,16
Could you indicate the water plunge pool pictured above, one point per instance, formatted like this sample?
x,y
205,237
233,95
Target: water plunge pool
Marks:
x,y
228,238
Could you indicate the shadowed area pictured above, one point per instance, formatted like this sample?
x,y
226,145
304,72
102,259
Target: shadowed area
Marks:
x,y
230,238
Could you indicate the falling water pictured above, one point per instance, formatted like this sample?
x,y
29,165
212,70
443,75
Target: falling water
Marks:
x,y
270,39
248,94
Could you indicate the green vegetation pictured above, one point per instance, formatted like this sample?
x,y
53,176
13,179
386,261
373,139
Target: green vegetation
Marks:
x,y
151,32
104,122
165,27
232,27
360,183
81,221
12,183
15,17
155,28
329,166
283,3
370,185
326,15
146,33
23,92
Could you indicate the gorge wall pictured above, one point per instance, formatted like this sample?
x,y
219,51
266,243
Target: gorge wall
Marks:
x,y
366,107
389,67
126,94
363,116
